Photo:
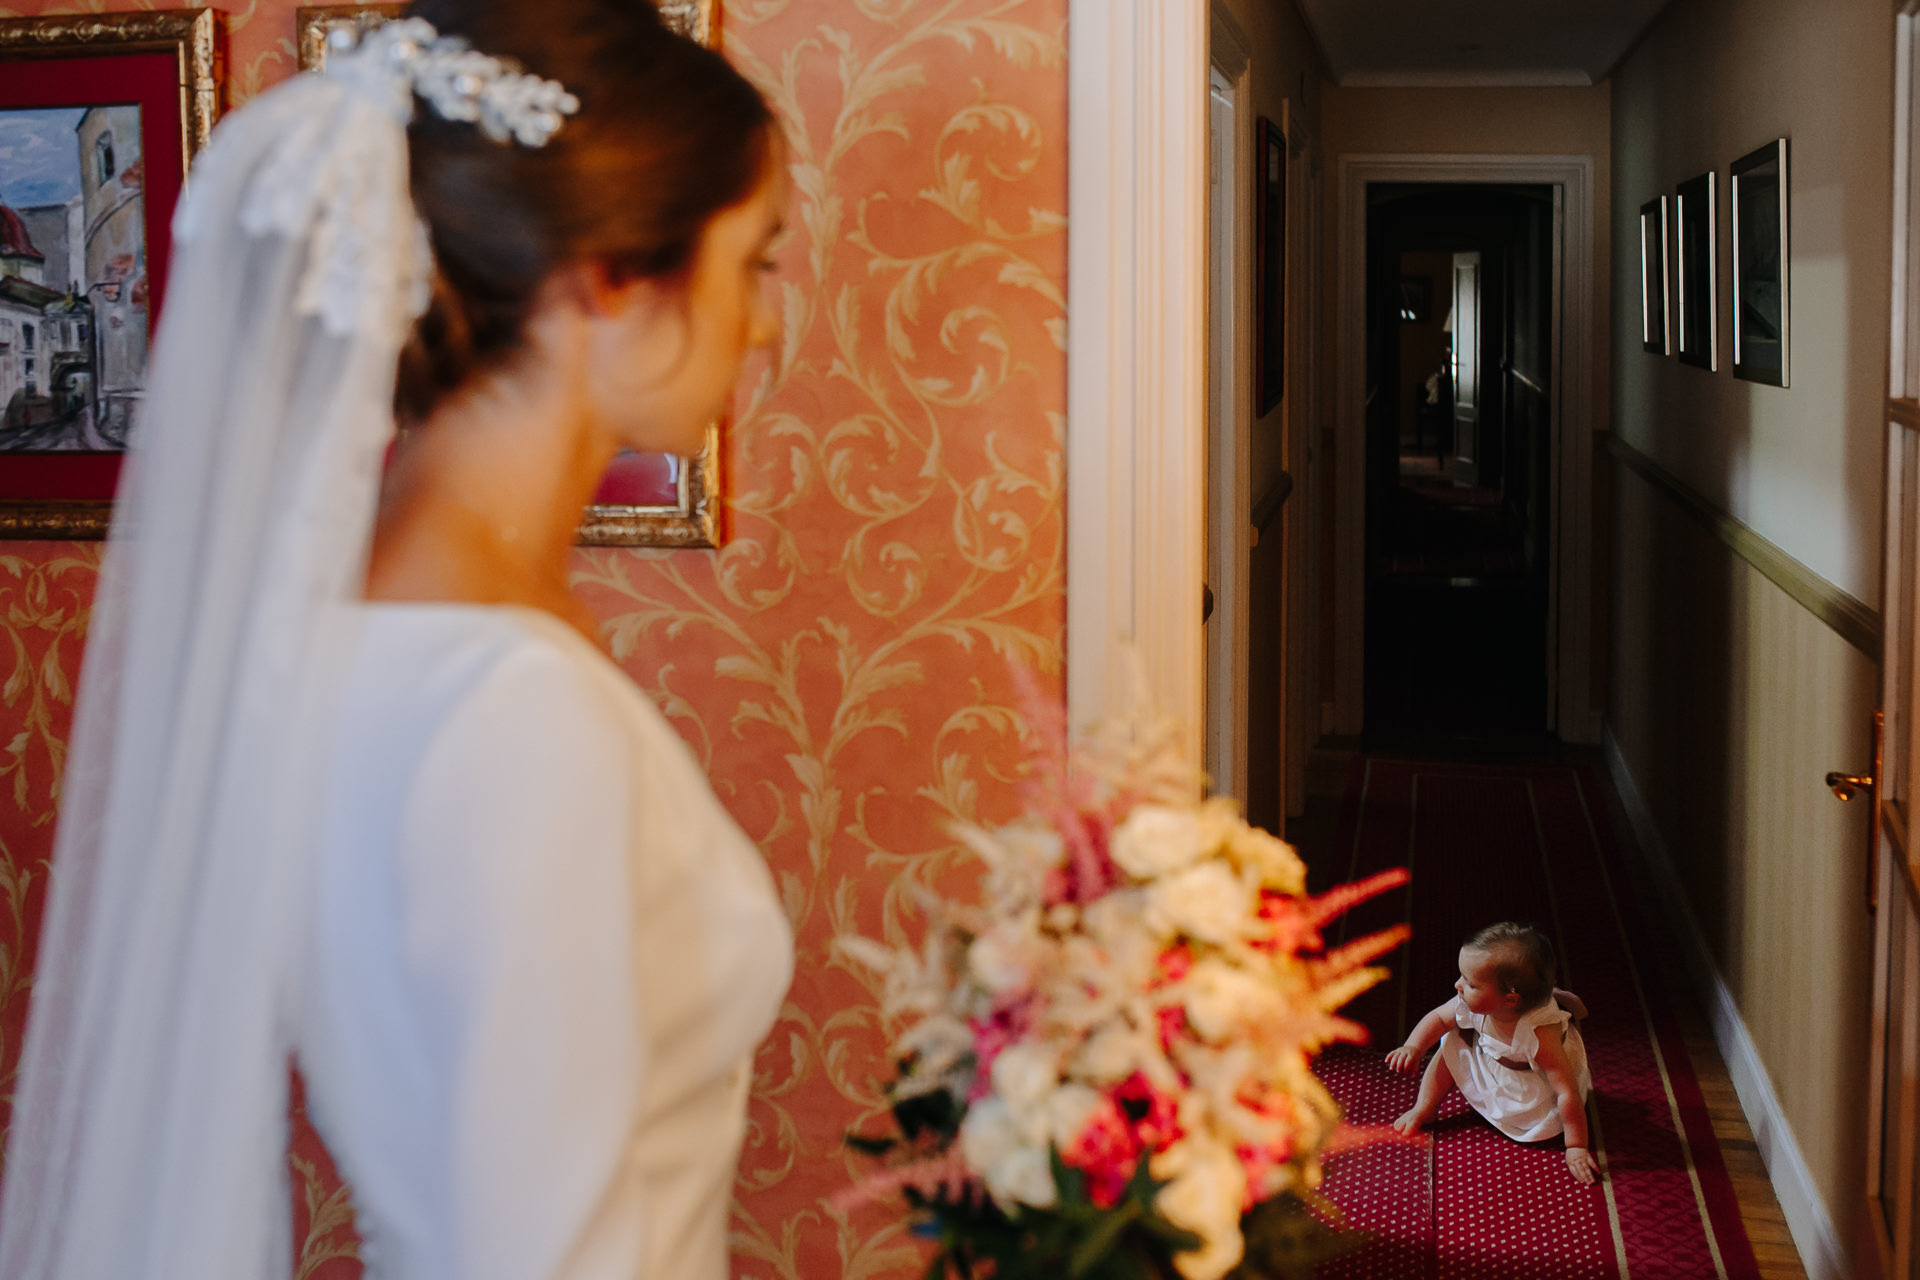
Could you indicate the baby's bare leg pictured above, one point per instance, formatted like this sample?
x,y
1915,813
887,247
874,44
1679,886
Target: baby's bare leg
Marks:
x,y
1434,1086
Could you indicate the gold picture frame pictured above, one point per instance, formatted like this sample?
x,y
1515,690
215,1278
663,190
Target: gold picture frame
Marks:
x,y
77,503
694,520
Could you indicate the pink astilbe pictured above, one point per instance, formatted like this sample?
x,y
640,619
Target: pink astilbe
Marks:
x,y
1348,896
944,1176
1343,960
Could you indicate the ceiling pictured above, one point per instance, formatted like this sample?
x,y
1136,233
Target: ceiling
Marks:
x,y
1452,42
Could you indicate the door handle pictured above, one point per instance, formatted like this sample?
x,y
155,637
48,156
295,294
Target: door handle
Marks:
x,y
1847,785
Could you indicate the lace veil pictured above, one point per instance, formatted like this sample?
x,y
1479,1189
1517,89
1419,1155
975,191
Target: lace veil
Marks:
x,y
149,1135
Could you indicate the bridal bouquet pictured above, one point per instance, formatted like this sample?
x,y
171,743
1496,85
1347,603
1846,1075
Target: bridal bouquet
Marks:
x,y
1106,1063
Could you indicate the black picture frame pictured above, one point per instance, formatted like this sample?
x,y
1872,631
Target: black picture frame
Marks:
x,y
1416,299
1270,265
1762,298
1696,255
1655,336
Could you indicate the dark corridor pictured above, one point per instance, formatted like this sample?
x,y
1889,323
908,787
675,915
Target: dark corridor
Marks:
x,y
1459,363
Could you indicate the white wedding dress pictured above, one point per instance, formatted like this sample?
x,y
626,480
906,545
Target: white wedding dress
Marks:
x,y
542,957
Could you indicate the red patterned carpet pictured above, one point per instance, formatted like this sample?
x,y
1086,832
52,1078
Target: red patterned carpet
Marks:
x,y
1487,843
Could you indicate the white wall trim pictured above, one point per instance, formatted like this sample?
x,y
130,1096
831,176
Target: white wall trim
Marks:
x,y
1806,1212
1229,436
1570,606
1136,354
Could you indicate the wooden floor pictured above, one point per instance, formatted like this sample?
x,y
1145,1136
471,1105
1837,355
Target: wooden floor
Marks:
x,y
1766,1225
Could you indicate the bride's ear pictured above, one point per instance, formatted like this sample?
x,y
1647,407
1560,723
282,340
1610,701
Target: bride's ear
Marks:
x,y
599,291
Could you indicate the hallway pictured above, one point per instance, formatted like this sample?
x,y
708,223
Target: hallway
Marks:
x,y
1538,843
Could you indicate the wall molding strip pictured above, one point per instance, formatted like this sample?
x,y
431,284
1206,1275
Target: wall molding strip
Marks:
x,y
1808,1218
1137,76
1849,617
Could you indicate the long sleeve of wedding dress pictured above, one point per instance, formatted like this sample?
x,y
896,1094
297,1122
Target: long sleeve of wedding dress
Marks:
x,y
542,957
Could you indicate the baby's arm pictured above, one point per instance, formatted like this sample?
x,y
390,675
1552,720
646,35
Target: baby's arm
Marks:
x,y
1551,1058
1406,1059
1572,1003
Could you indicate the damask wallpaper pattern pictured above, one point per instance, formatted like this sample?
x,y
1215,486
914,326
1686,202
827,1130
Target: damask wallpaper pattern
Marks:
x,y
895,487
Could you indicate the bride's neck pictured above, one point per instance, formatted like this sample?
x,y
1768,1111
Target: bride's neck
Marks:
x,y
483,497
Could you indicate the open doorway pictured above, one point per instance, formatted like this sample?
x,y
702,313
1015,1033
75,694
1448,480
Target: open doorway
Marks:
x,y
1458,423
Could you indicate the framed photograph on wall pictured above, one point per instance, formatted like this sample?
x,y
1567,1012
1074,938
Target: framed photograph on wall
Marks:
x,y
1654,334
100,117
1762,300
644,499
1416,299
1270,265
1696,258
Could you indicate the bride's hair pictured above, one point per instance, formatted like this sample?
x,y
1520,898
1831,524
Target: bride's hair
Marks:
x,y
667,135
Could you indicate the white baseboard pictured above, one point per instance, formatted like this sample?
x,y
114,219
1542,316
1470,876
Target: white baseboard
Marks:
x,y
1806,1212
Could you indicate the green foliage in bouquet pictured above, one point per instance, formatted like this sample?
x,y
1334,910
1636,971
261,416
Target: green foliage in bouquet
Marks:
x,y
1287,1236
1074,1240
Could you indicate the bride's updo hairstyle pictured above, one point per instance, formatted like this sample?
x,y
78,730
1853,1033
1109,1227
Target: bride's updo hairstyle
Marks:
x,y
668,134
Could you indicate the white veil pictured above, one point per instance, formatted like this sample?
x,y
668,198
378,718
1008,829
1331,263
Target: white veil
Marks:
x,y
149,1131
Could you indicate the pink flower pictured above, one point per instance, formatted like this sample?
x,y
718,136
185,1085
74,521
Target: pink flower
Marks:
x,y
1155,1116
1173,1025
1176,962
993,1035
1107,1151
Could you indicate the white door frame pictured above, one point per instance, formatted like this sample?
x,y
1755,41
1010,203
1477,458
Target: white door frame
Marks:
x,y
1229,395
1137,76
1570,571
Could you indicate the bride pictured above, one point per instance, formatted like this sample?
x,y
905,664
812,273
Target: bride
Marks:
x,y
352,783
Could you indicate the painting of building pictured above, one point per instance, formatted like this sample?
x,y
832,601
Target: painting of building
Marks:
x,y
73,278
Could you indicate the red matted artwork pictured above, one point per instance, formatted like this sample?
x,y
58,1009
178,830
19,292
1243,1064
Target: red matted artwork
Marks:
x,y
97,129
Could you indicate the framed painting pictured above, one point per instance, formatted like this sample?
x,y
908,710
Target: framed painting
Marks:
x,y
1762,312
1654,335
100,118
645,499
1696,257
1416,300
1270,265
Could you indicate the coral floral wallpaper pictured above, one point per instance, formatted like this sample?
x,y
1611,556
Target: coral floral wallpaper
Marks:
x,y
894,480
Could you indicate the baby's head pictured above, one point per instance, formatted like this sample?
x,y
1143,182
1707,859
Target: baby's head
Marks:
x,y
1507,966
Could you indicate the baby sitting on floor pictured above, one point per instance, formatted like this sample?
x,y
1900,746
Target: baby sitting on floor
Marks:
x,y
1508,1042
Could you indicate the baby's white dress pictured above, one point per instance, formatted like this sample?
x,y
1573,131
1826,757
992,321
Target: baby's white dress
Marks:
x,y
541,960
1521,1104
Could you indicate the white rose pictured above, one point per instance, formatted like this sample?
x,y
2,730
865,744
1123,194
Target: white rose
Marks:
x,y
1221,998
1110,1055
1003,958
1207,902
1157,839
1023,1176
988,1135
1025,1074
1219,1252
1068,1112
1123,926
1204,1195
1273,860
